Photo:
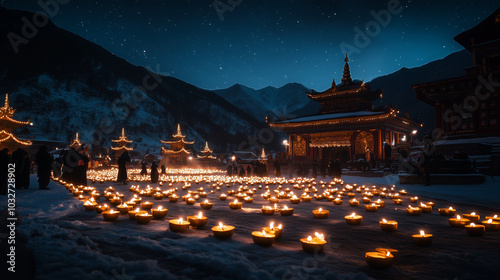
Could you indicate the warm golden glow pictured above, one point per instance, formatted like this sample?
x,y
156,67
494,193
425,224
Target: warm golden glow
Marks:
x,y
271,226
221,225
309,238
490,221
422,233
384,221
200,215
472,224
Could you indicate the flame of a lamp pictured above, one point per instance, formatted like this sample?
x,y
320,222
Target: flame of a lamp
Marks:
x,y
271,226
458,217
280,226
472,224
353,214
490,221
200,215
309,238
319,236
263,233
451,208
221,225
206,201
285,207
496,216
181,221
473,213
384,221
388,254
235,201
159,207
422,233
320,209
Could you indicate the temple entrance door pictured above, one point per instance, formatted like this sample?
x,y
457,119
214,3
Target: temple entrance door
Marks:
x,y
341,153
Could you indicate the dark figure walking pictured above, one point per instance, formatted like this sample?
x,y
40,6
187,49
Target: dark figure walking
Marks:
x,y
163,169
144,169
154,172
4,169
315,169
277,167
44,167
80,172
122,168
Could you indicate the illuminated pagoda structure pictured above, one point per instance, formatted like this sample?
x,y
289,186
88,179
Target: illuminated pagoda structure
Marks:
x,y
7,127
121,144
76,143
346,126
206,154
177,153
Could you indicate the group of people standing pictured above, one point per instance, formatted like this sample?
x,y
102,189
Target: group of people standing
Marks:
x,y
122,169
21,164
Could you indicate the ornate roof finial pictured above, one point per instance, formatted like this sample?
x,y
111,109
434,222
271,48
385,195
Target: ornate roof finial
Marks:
x,y
123,132
6,100
346,77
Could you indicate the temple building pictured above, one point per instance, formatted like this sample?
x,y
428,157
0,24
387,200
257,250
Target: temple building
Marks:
x,y
7,127
346,127
206,154
122,144
177,152
469,106
76,143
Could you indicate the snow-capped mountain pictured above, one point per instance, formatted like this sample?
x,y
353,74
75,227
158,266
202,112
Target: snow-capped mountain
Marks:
x,y
269,101
67,84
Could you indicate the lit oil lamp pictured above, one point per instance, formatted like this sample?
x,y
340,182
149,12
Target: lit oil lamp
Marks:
x,y
306,198
413,211
337,201
89,205
414,199
403,192
294,200
277,231
491,225
313,244
398,201
190,201
159,213
206,204
351,195
178,225
197,221
158,195
354,202
458,222
353,219
143,218
393,252
380,203
173,198
379,260
285,211
115,200
267,210
223,197
110,215
235,204
123,208
473,217
425,208
223,231
431,204
495,218
248,199
262,238
320,213
101,208
422,239
273,199
137,211
366,200
146,205
475,230
447,211
371,207
390,226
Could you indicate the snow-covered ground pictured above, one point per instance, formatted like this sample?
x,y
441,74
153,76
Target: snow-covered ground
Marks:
x,y
71,243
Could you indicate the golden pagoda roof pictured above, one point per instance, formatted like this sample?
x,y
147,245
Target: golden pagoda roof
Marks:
x,y
6,136
178,138
206,149
122,148
6,113
76,142
122,138
178,152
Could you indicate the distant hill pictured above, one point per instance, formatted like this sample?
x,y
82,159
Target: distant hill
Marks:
x,y
397,87
65,83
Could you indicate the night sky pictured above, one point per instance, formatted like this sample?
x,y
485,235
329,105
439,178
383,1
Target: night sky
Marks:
x,y
261,43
